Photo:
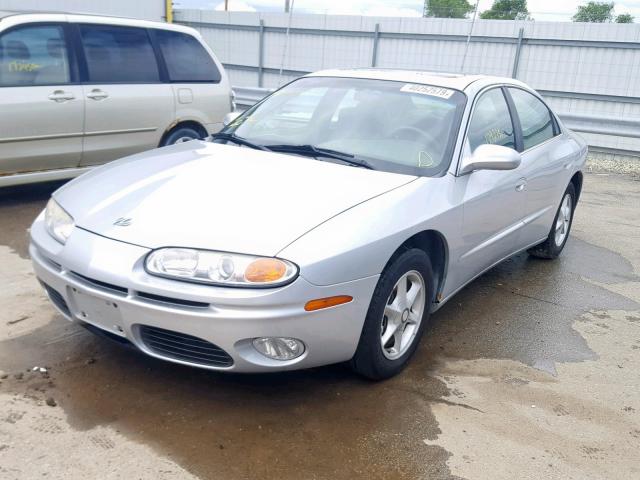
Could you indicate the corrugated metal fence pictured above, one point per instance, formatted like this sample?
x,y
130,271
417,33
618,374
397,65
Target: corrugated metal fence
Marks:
x,y
589,73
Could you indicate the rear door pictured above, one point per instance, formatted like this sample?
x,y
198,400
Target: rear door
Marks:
x,y
41,103
201,89
545,163
128,107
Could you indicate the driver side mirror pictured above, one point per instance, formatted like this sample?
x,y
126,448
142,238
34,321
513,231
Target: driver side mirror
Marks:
x,y
230,117
491,157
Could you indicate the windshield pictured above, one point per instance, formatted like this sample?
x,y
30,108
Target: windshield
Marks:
x,y
388,125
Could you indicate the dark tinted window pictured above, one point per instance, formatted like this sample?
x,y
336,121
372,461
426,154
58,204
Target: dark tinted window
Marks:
x,y
535,118
186,58
33,55
119,54
491,121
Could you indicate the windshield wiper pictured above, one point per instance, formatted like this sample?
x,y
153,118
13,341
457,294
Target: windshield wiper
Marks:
x,y
313,151
239,140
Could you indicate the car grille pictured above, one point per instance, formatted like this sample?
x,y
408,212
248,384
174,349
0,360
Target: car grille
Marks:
x,y
184,347
101,284
57,299
172,301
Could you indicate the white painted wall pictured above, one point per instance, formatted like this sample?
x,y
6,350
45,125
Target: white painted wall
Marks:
x,y
561,68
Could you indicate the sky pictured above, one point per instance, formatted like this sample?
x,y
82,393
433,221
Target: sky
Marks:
x,y
541,10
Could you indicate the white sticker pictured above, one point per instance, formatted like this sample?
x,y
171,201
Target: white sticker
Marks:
x,y
427,90
425,160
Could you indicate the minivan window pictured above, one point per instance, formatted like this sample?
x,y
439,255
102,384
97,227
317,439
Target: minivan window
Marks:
x,y
118,54
535,118
33,55
186,58
491,122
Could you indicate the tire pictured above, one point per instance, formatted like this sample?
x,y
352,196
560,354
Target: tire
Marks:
x,y
179,135
372,359
554,244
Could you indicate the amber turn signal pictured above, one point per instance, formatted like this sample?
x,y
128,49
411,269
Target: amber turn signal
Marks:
x,y
327,302
265,270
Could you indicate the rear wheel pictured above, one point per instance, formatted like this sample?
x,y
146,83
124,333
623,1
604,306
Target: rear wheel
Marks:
x,y
559,233
180,135
397,316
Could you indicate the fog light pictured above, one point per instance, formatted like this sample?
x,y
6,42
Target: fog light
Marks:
x,y
279,348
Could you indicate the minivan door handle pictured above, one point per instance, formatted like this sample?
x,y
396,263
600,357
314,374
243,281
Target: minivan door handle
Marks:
x,y
97,94
61,96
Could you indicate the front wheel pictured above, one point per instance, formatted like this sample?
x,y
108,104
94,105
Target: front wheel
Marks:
x,y
397,316
560,228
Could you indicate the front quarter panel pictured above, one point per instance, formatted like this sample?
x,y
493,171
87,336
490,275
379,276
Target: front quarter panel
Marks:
x,y
359,242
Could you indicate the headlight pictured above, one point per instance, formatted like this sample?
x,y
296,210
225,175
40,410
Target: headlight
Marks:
x,y
220,268
59,223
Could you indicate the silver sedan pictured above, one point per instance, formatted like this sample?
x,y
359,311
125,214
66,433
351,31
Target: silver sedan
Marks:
x,y
323,225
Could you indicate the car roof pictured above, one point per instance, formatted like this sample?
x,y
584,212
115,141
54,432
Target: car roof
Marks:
x,y
44,16
440,79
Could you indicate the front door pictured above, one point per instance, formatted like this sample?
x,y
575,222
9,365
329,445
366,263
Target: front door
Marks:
x,y
494,200
42,108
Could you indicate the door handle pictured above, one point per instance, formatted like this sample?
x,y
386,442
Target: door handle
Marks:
x,y
97,94
61,96
520,186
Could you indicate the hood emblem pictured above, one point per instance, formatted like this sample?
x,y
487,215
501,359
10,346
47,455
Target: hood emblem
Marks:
x,y
123,222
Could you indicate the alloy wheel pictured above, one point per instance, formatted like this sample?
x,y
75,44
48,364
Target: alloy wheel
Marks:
x,y
563,221
403,314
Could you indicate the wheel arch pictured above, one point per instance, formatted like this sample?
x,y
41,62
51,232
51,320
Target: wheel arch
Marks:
x,y
183,123
434,244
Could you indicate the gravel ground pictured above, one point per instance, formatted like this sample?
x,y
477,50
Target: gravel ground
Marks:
x,y
607,163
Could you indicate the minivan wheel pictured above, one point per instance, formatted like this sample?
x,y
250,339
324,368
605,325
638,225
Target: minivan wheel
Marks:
x,y
559,233
397,316
180,135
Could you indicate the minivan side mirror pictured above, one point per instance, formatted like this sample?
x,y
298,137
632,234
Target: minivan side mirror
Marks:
x,y
491,157
230,117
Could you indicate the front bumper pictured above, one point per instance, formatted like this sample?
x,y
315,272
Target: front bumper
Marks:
x,y
102,282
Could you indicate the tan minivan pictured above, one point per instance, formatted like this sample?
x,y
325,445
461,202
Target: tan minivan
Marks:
x,y
82,90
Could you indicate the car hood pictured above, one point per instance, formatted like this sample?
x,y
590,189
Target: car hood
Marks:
x,y
218,197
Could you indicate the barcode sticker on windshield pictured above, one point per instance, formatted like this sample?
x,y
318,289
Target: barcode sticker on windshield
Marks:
x,y
427,90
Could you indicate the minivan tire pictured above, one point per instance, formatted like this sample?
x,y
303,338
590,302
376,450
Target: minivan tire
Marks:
x,y
179,135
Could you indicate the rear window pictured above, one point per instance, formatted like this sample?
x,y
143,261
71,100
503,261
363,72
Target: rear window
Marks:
x,y
119,54
186,58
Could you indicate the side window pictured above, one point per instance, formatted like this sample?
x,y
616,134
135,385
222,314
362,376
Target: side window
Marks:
x,y
186,58
33,55
119,54
535,118
491,122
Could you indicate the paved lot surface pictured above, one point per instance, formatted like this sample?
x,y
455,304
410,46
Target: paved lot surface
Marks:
x,y
533,371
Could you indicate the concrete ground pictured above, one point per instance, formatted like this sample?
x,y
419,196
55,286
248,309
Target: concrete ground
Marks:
x,y
532,371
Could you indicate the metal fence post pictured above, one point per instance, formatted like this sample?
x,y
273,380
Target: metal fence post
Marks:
x,y
261,54
516,58
376,39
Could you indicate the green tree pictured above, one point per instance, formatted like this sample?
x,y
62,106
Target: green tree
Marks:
x,y
598,12
624,18
507,10
448,8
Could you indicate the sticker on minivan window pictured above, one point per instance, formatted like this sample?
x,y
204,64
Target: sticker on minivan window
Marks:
x,y
427,90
